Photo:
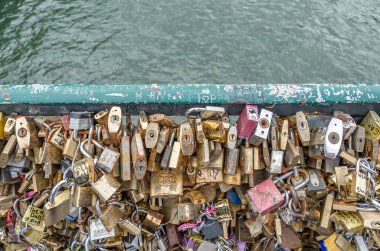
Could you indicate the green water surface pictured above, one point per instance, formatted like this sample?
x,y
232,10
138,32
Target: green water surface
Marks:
x,y
197,41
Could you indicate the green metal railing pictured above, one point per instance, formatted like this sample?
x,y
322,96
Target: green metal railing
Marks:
x,y
37,98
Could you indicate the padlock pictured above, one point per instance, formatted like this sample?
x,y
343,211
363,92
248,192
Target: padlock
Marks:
x,y
246,158
102,117
70,148
333,139
231,161
138,154
125,156
114,124
59,204
83,197
348,123
316,182
110,216
265,197
154,161
162,120
175,156
232,137
186,139
8,150
214,130
166,183
185,212
203,154
163,139
83,170
151,135
233,179
98,231
152,222
358,139
57,138
217,157
276,162
108,158
303,128
26,133
370,219
10,124
129,227
248,121
105,187
292,155
254,227
284,135
168,150
211,229
81,120
262,129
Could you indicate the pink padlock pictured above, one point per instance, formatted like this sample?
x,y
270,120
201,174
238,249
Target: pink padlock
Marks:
x,y
265,197
247,121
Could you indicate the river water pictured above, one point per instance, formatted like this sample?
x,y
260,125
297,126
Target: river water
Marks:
x,y
197,41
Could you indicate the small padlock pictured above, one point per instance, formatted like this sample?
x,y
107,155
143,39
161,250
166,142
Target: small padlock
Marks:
x,y
262,129
10,124
151,135
108,158
125,156
248,121
26,133
114,124
138,154
186,139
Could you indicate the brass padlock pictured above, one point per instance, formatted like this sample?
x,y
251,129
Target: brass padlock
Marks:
x,y
83,197
125,156
110,216
166,183
151,135
105,187
139,161
8,150
59,204
203,154
163,139
187,139
26,133
114,124
246,158
70,148
10,124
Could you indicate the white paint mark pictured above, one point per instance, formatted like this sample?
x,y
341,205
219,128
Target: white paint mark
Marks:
x,y
115,94
38,88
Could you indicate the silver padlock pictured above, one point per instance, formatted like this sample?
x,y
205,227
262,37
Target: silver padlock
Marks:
x,y
81,120
107,159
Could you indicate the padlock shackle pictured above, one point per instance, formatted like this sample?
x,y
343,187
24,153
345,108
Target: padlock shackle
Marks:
x,y
98,132
15,207
96,143
83,151
54,190
97,207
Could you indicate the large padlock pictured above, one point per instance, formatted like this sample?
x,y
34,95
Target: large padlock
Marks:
x,y
108,158
166,183
59,204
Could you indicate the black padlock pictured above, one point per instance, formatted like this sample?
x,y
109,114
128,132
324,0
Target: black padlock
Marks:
x,y
211,229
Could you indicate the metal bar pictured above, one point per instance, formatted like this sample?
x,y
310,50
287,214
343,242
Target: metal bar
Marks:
x,y
317,94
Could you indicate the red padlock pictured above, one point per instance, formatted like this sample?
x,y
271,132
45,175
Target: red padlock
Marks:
x,y
265,197
247,122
